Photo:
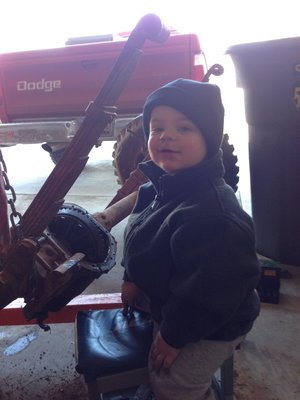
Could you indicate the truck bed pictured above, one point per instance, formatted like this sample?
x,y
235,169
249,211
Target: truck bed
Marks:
x,y
59,83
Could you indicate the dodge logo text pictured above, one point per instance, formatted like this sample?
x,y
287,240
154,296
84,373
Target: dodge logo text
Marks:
x,y
43,84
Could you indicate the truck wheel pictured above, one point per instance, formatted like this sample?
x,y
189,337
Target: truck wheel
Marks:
x,y
55,150
230,163
56,155
131,148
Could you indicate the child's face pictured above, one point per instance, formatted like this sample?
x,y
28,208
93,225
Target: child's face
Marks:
x,y
175,142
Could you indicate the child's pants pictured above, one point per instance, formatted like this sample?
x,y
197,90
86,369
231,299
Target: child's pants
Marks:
x,y
191,373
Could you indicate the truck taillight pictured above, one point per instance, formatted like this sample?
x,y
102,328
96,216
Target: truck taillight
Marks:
x,y
199,67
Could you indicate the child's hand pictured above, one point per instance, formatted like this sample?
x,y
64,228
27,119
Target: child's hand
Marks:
x,y
130,294
162,354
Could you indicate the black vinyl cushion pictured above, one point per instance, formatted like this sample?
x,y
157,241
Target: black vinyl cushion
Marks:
x,y
108,342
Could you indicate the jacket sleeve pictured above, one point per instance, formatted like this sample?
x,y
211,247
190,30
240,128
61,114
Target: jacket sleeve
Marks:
x,y
215,270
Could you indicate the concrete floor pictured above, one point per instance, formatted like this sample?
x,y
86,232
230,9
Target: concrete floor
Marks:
x,y
40,365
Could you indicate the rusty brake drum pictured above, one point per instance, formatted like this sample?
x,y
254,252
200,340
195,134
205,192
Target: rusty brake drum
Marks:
x,y
74,250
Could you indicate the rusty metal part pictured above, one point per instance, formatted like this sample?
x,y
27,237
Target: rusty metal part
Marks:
x,y
15,216
73,251
16,267
117,211
46,204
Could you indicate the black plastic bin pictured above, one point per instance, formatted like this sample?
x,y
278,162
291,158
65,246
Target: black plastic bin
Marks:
x,y
269,73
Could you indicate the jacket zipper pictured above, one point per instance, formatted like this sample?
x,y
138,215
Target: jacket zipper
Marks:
x,y
137,223
155,202
152,207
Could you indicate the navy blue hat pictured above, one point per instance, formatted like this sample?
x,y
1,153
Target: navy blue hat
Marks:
x,y
199,101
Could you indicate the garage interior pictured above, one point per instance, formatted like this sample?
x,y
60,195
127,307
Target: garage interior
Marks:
x,y
41,365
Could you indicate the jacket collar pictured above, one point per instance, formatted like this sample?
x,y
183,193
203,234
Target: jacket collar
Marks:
x,y
204,173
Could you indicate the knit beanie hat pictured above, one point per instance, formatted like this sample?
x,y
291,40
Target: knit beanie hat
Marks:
x,y
199,101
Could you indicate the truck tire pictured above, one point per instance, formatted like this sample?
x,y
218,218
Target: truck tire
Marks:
x,y
56,155
55,152
230,163
130,148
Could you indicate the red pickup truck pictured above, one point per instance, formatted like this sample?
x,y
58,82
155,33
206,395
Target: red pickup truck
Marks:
x,y
44,93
